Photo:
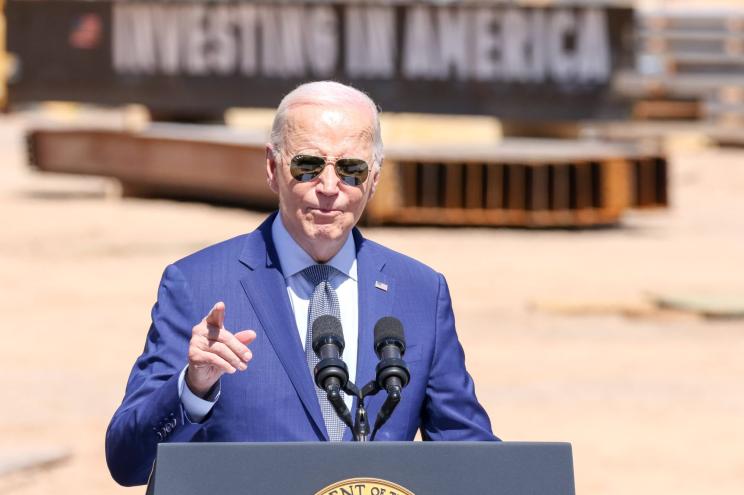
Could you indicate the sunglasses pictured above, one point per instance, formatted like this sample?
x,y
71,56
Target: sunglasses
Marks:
x,y
352,171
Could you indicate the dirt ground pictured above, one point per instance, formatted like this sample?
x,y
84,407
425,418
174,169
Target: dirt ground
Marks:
x,y
652,403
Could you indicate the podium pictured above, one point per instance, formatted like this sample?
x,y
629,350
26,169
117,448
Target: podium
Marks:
x,y
365,468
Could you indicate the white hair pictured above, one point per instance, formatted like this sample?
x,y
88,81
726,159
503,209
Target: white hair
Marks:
x,y
326,92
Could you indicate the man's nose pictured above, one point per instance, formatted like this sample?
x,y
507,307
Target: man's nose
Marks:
x,y
328,184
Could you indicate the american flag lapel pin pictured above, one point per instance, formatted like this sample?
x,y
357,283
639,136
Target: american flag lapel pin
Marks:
x,y
381,285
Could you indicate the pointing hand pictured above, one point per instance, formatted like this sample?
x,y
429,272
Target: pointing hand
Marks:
x,y
214,350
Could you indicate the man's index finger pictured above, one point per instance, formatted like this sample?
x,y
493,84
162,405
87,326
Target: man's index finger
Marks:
x,y
216,316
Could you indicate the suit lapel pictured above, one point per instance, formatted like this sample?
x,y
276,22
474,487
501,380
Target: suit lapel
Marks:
x,y
376,292
376,296
267,290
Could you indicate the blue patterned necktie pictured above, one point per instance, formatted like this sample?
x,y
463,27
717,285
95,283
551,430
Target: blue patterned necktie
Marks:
x,y
323,301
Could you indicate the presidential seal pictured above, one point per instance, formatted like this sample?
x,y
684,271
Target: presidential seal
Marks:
x,y
364,486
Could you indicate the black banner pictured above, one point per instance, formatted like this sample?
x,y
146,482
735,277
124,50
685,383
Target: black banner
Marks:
x,y
522,63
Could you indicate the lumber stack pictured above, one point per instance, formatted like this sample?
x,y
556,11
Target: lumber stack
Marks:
x,y
689,64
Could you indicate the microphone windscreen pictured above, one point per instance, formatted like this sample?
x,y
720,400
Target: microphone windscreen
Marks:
x,y
326,328
388,329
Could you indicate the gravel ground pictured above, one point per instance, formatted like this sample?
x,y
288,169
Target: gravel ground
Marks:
x,y
653,404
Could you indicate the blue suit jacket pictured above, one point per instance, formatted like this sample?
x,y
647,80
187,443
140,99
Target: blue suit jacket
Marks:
x,y
275,400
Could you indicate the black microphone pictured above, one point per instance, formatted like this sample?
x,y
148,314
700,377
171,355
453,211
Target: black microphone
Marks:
x,y
328,344
331,372
390,346
392,372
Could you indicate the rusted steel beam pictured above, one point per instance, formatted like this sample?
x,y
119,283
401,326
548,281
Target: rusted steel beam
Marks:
x,y
530,183
159,163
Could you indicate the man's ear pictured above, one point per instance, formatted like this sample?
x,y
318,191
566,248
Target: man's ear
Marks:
x,y
271,171
374,180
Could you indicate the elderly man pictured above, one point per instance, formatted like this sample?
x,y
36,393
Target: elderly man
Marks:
x,y
198,381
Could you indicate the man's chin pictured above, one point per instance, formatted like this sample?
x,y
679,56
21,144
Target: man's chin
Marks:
x,y
326,231
330,231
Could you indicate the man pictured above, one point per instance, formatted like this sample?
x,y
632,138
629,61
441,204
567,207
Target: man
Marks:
x,y
198,381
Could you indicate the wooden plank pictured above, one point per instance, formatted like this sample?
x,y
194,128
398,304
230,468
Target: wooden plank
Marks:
x,y
539,188
687,20
583,212
588,217
616,186
409,183
695,34
495,186
441,216
540,213
648,183
561,195
428,184
474,177
561,188
516,186
662,181
646,186
582,186
667,109
516,205
517,150
498,218
453,185
705,59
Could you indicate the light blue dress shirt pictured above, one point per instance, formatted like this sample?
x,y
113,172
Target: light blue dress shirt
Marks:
x,y
293,260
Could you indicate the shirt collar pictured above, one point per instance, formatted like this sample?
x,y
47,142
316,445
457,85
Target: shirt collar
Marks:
x,y
294,259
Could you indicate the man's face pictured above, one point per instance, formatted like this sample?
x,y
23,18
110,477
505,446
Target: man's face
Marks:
x,y
320,213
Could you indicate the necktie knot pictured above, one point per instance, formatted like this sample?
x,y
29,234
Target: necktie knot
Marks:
x,y
316,274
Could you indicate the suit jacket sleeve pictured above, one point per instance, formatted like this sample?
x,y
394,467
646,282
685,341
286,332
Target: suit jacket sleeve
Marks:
x,y
151,411
451,410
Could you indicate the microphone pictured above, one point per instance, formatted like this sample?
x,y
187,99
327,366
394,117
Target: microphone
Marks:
x,y
331,373
392,371
328,344
390,346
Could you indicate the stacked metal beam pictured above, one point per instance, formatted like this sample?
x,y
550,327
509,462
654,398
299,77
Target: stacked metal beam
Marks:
x,y
518,182
690,63
521,182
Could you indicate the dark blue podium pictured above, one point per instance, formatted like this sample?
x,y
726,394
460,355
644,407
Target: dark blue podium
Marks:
x,y
369,468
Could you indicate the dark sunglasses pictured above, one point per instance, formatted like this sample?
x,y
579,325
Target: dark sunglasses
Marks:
x,y
352,171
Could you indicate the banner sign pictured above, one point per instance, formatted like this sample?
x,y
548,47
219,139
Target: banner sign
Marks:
x,y
523,63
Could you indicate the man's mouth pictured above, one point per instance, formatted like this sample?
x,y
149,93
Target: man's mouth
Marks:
x,y
324,211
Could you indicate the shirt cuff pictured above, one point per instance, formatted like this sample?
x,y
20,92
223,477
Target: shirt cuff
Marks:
x,y
196,408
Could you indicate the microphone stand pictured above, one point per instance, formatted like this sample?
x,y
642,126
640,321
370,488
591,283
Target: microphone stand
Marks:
x,y
334,377
360,428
